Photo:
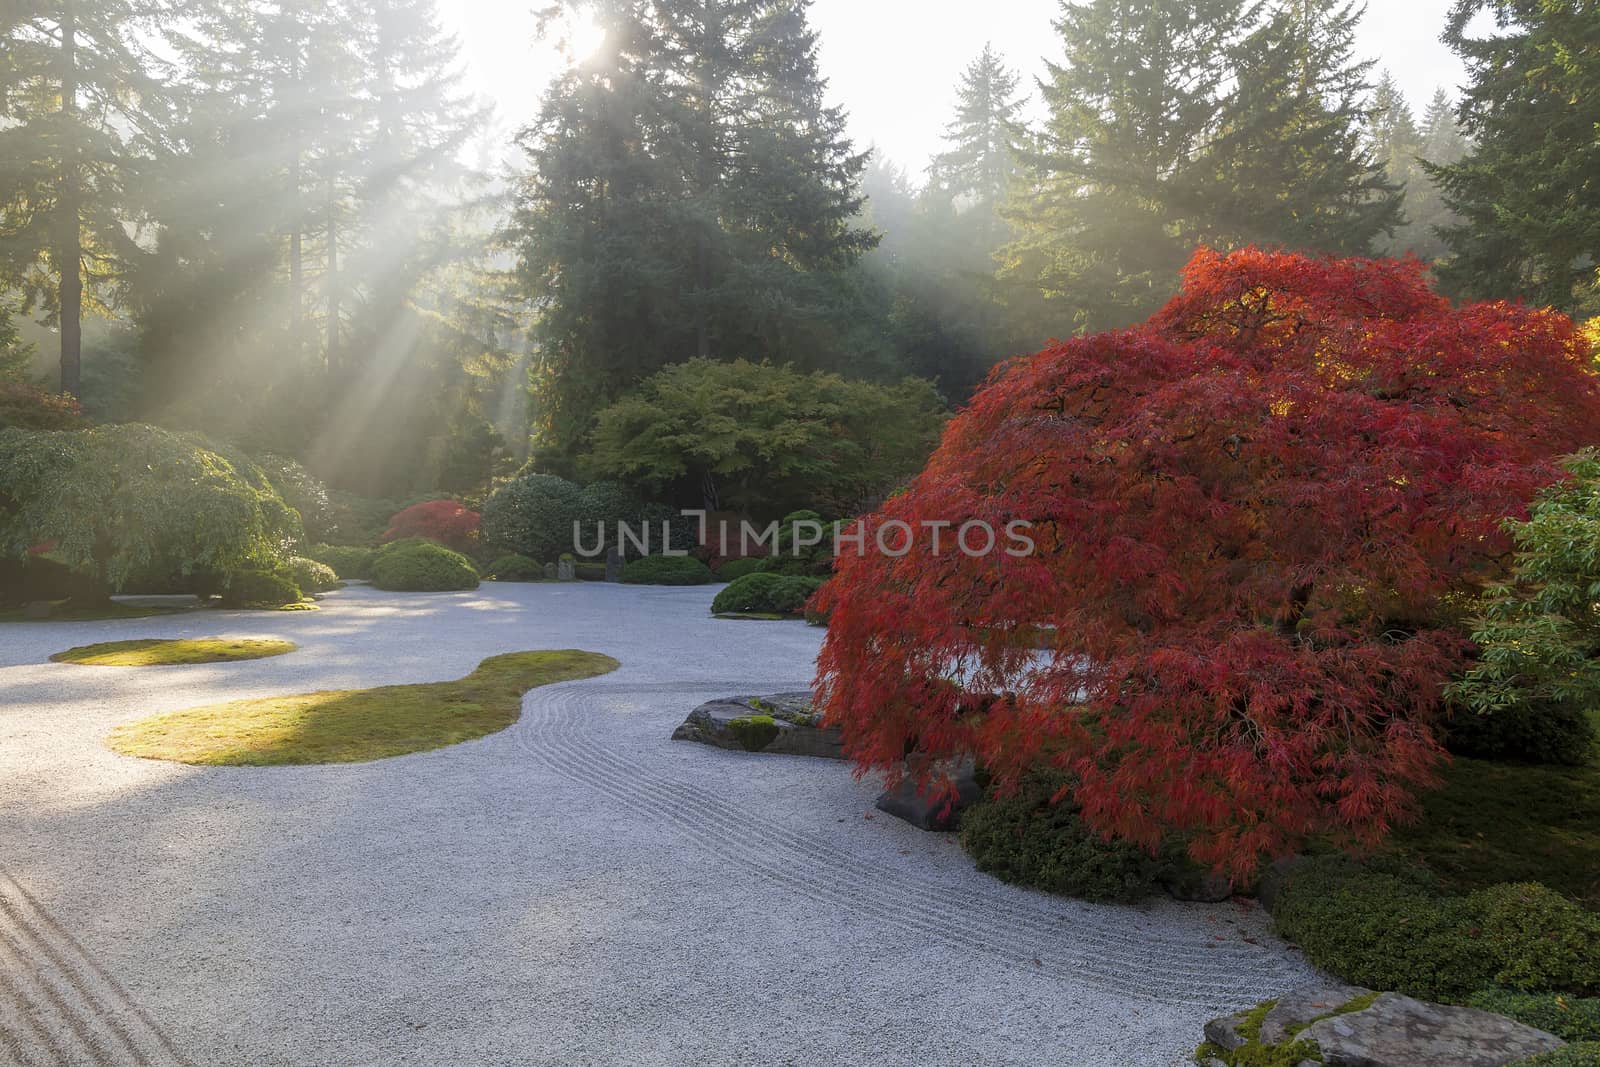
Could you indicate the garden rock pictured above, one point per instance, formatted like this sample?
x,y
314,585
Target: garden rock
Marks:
x,y
567,571
785,724
550,572
907,801
1357,1028
614,562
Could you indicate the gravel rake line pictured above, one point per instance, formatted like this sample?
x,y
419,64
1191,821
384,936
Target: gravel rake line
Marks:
x,y
1042,921
550,732
25,1009
110,1027
927,894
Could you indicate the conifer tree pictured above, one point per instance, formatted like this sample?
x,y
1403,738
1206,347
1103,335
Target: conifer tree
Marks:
x,y
82,108
1290,167
985,141
1529,219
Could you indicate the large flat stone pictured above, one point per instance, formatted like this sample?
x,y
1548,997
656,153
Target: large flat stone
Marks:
x,y
1397,1031
785,724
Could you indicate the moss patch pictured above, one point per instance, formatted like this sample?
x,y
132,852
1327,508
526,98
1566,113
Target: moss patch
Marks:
x,y
355,725
1495,822
1285,1054
754,732
159,653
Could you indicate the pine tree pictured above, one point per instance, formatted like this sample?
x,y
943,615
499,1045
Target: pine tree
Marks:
x,y
1392,133
1530,222
1102,215
1291,167
691,193
82,105
985,139
1439,142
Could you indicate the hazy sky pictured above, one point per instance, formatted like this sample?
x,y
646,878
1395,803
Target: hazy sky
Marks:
x,y
893,64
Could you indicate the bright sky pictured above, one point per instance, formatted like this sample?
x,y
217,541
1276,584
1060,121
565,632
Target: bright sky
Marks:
x,y
894,64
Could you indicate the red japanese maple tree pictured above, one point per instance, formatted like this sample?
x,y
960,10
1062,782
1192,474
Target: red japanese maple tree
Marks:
x,y
448,522
1257,519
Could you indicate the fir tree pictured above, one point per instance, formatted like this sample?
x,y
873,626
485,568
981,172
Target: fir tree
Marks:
x,y
1291,167
1102,215
985,140
1530,222
82,107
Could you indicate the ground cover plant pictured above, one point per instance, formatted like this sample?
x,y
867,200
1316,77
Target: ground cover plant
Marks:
x,y
161,652
1258,579
353,726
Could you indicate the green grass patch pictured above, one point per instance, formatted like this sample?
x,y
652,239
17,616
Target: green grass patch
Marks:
x,y
1502,822
355,725
162,653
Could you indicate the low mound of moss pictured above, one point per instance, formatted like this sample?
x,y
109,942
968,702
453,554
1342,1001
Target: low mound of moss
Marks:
x,y
157,652
355,725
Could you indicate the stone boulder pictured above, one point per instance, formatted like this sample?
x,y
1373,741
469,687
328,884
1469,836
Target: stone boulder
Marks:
x,y
786,724
1351,1027
928,812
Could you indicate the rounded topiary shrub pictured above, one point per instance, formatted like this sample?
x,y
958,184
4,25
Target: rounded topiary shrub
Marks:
x,y
1027,840
666,570
309,575
533,516
514,569
1386,928
259,589
734,569
766,594
422,567
347,561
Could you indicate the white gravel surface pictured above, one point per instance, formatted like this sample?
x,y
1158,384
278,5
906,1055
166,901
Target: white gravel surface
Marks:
x,y
575,890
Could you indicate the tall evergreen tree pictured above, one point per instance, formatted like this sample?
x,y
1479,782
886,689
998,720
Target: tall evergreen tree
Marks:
x,y
1291,167
1530,220
81,112
985,142
1102,217
690,193
1439,141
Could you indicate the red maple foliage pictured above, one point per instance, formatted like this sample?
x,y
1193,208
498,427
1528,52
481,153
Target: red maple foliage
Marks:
x,y
445,521
1257,519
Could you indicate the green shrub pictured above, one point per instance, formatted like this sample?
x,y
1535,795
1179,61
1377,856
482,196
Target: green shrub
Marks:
x,y
734,569
259,589
1584,1054
515,569
310,575
1026,840
1529,731
666,570
1569,1018
533,516
1536,939
417,566
590,572
1387,929
766,594
1538,632
36,578
347,561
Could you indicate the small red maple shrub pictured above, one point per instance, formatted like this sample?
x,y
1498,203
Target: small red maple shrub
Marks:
x,y
1256,517
445,521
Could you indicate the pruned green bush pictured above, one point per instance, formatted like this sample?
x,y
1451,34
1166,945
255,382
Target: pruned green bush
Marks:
x,y
1387,929
1025,839
417,566
347,561
1569,1018
514,569
766,594
666,570
533,516
734,569
310,575
259,589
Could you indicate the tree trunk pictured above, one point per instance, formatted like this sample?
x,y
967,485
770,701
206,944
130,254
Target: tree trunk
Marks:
x,y
333,281
69,207
711,36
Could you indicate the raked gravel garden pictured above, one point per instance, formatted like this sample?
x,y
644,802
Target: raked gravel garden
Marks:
x,y
574,889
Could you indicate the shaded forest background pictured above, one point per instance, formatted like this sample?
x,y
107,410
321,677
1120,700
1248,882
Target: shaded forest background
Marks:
x,y
284,223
